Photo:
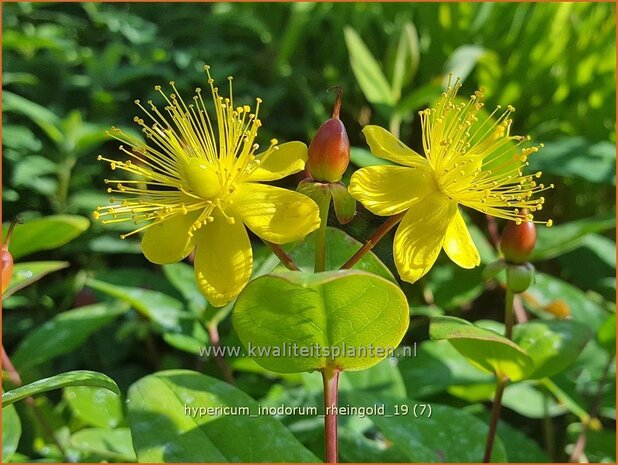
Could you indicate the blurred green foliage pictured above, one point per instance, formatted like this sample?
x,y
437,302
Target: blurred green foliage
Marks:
x,y
71,71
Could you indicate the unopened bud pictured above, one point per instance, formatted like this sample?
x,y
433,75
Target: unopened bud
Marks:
x,y
519,277
329,151
7,258
518,240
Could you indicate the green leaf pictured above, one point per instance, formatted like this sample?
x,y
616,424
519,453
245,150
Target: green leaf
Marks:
x,y
417,98
406,60
70,378
362,157
553,345
528,400
367,71
156,306
446,434
41,116
483,348
165,429
11,432
182,277
462,61
559,239
113,445
607,334
26,273
340,312
437,366
95,406
45,233
578,157
339,248
548,291
383,378
64,333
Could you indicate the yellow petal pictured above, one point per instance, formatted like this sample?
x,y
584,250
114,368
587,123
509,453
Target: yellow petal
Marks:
x,y
459,245
275,214
288,158
384,145
169,241
420,235
223,259
388,190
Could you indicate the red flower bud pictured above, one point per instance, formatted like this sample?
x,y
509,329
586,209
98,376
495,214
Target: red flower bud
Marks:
x,y
7,258
7,268
329,151
518,240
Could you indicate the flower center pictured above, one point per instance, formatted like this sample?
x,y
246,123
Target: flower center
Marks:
x,y
201,178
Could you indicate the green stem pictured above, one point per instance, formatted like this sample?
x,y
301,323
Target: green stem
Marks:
x,y
495,417
283,257
373,240
508,313
330,378
320,240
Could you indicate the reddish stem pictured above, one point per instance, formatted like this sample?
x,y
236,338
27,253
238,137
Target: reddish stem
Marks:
x,y
337,107
213,332
373,240
330,378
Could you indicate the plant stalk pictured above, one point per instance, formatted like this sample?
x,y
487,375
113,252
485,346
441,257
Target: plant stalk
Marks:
x,y
495,417
283,257
501,382
320,239
330,377
213,333
373,240
508,313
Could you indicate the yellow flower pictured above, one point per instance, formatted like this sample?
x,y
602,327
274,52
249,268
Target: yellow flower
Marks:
x,y
196,185
469,160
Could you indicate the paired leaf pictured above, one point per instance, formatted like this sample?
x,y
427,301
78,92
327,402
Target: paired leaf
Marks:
x,y
169,431
483,348
354,318
70,378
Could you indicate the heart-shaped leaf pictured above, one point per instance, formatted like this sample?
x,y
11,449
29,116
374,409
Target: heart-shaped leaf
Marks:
x,y
483,348
292,322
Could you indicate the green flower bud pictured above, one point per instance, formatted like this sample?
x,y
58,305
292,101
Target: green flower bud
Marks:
x,y
519,277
